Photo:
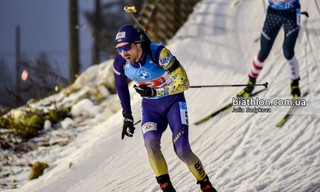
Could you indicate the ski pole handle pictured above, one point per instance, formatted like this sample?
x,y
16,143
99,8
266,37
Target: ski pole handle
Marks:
x,y
234,85
131,9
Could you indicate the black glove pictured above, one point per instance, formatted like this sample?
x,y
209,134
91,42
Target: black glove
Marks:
x,y
145,91
128,128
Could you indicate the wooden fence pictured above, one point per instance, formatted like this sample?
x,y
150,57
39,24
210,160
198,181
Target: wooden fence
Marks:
x,y
163,18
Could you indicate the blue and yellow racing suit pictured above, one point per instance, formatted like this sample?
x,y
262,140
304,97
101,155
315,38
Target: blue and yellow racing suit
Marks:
x,y
168,107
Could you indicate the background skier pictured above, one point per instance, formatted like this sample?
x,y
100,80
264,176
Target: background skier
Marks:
x,y
284,13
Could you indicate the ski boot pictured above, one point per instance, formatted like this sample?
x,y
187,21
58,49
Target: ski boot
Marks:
x,y
295,90
165,183
246,92
206,186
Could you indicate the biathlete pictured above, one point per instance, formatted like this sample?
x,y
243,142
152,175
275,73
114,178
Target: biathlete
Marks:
x,y
161,81
280,13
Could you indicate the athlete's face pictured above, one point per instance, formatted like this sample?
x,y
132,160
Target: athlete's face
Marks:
x,y
130,51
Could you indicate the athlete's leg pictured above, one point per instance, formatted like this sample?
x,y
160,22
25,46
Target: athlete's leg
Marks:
x,y
178,122
289,44
270,30
153,125
288,50
271,27
291,25
291,29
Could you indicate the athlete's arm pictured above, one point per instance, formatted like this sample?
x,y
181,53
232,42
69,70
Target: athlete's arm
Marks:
x,y
121,83
177,73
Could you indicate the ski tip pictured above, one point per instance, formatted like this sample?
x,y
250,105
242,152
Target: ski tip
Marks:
x,y
266,84
232,5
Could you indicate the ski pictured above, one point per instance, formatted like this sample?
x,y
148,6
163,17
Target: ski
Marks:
x,y
232,5
290,113
224,109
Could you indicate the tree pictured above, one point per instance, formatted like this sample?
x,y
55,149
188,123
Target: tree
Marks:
x,y
6,79
74,64
104,22
96,29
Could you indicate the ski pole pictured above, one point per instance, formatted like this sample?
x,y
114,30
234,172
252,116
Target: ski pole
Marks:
x,y
234,85
130,10
203,86
135,123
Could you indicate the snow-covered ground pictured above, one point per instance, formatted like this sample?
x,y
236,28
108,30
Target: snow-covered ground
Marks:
x,y
241,152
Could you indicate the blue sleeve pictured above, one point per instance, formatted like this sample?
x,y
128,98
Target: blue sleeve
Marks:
x,y
121,83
